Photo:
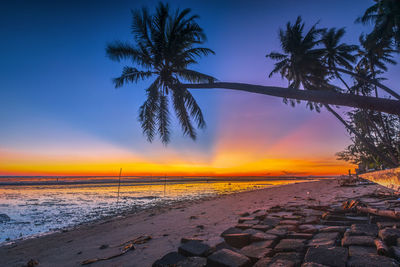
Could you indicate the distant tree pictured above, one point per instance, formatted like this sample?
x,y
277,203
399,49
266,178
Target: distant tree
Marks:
x,y
166,44
385,15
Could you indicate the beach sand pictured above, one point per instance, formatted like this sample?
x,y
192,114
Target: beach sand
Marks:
x,y
204,219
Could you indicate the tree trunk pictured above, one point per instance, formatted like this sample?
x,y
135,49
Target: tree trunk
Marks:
x,y
324,97
370,146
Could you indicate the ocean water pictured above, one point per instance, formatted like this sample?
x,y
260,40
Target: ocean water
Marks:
x,y
34,206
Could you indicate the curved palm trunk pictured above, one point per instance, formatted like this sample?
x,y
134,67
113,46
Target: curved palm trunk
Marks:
x,y
370,147
324,97
376,83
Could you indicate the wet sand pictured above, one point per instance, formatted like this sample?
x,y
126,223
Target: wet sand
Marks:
x,y
205,219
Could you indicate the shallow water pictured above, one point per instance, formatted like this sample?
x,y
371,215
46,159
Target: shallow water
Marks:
x,y
36,209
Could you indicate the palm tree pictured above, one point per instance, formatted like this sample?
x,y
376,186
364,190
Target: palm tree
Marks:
x,y
301,62
385,14
337,54
166,44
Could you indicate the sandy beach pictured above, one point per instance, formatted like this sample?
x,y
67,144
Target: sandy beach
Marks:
x,y
204,219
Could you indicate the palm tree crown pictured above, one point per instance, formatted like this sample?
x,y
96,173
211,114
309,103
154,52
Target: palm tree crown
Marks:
x,y
165,45
385,14
301,61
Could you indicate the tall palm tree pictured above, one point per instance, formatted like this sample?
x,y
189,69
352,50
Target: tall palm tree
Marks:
x,y
165,45
302,64
337,54
385,14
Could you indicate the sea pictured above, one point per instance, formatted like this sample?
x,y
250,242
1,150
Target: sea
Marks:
x,y
34,206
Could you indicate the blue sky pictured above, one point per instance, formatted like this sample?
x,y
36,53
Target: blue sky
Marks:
x,y
57,100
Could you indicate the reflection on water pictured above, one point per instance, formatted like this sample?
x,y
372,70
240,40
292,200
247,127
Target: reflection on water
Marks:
x,y
33,209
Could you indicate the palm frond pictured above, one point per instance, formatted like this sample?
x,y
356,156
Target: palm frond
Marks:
x,y
132,75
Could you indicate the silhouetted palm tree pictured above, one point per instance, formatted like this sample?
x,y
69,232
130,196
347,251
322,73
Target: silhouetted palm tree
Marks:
x,y
337,54
165,45
385,14
300,62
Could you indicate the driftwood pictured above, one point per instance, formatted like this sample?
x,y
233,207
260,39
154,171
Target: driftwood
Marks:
x,y
128,245
381,248
124,250
384,213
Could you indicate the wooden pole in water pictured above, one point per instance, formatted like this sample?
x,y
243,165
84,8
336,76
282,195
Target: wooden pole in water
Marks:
x,y
165,183
119,185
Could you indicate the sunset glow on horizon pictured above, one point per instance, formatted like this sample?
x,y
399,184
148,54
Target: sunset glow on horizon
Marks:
x,y
62,116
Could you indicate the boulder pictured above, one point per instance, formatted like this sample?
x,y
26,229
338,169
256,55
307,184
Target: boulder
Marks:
x,y
310,228
237,240
231,230
227,258
367,241
288,245
270,221
324,239
194,248
261,227
290,258
262,236
192,262
371,261
244,226
335,256
277,231
169,259
363,229
360,250
389,235
339,229
257,250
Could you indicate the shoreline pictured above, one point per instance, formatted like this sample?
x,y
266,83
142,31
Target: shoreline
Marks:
x,y
203,218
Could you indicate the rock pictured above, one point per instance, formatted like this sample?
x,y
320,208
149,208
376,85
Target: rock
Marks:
x,y
194,248
192,262
245,214
294,235
263,262
187,239
290,258
371,261
288,245
395,251
289,222
169,259
262,236
337,223
313,264
310,228
360,250
270,221
324,240
282,263
260,215
335,256
287,227
237,240
32,263
227,258
277,231
252,231
225,245
311,220
383,225
4,218
389,235
244,219
339,229
363,229
261,227
257,250
231,230
244,226
358,241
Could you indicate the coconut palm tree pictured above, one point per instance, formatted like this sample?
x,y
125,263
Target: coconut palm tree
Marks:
x,y
165,45
385,14
336,54
303,64
300,63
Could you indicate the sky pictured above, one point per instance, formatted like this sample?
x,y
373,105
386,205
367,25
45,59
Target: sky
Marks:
x,y
61,115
